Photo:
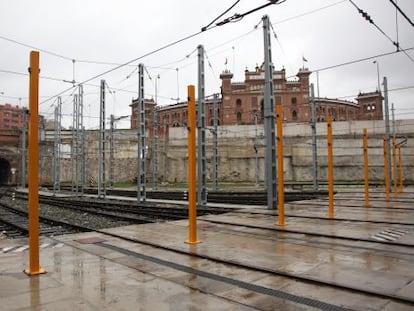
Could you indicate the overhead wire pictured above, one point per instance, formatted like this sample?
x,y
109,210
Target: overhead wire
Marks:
x,y
402,12
371,21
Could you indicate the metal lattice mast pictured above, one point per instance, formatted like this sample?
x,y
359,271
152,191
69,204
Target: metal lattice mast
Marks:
x,y
59,141
201,132
111,152
101,155
56,154
81,146
24,150
387,126
256,146
155,148
269,120
141,176
314,142
215,141
74,147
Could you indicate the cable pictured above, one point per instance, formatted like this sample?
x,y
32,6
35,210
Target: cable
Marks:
x,y
370,20
206,27
401,12
360,60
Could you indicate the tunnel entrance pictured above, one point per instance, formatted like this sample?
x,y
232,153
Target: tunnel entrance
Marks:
x,y
4,171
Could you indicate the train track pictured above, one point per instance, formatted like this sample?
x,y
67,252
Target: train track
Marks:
x,y
15,223
229,197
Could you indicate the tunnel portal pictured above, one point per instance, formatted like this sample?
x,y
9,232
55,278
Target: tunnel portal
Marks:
x,y
4,171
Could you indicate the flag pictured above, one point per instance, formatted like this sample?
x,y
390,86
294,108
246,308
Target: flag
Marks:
x,y
225,63
304,59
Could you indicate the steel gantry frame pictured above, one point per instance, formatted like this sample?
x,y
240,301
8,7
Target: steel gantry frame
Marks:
x,y
201,132
141,172
269,119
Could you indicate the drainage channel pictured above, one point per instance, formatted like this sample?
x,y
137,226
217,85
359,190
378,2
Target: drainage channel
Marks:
x,y
256,288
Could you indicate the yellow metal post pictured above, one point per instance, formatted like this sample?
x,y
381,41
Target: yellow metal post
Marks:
x,y
387,178
394,168
192,184
33,167
281,187
330,170
400,169
366,168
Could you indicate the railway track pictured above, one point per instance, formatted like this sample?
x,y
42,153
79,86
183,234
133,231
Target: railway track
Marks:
x,y
15,223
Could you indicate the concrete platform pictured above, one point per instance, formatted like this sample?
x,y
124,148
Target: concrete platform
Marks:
x,y
245,262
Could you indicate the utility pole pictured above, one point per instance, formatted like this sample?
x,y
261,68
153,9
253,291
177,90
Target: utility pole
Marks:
x,y
24,150
155,140
81,146
101,155
215,141
111,152
255,146
269,119
56,147
141,174
201,131
314,142
74,147
165,152
387,127
393,120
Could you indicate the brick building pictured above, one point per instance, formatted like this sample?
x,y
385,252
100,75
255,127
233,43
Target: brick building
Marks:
x,y
241,102
11,117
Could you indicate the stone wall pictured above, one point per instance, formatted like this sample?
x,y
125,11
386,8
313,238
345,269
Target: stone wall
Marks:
x,y
237,155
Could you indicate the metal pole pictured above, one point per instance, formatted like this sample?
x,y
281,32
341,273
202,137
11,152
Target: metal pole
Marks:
x,y
101,174
280,186
201,131
256,158
81,145
24,151
74,147
269,119
111,152
314,142
165,153
387,128
401,171
192,204
330,170
55,153
365,144
393,120
215,142
141,172
155,140
386,169
394,167
59,140
34,267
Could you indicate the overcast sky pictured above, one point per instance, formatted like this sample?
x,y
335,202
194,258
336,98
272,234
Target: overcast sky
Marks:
x,y
99,35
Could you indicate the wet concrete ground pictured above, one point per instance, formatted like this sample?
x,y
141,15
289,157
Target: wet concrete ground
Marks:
x,y
244,262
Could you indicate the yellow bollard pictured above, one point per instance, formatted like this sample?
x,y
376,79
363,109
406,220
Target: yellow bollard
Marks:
x,y
387,178
366,168
192,206
394,167
33,167
281,189
330,169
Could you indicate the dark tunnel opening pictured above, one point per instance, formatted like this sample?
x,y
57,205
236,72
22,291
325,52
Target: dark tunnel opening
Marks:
x,y
4,171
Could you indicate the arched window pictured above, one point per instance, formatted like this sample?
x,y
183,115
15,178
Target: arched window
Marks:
x,y
238,103
294,115
239,117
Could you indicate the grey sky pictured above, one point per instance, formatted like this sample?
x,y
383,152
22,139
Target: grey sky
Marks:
x,y
325,32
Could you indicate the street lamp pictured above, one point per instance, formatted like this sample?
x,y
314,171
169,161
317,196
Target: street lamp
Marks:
x,y
378,76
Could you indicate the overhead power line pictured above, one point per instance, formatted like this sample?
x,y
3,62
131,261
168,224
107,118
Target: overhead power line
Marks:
x,y
401,12
371,21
